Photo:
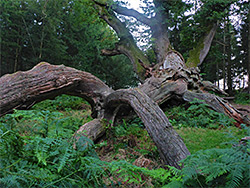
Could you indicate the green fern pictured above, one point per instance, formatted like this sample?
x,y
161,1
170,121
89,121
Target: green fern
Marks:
x,y
225,167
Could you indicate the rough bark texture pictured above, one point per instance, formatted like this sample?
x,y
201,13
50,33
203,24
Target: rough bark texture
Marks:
x,y
186,85
200,51
167,80
93,130
21,90
170,145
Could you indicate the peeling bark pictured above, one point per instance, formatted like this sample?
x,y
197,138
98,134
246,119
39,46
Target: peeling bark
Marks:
x,y
23,89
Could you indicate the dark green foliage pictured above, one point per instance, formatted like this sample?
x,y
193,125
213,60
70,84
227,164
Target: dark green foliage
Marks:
x,y
242,98
62,102
203,138
218,167
45,156
198,114
60,32
48,159
37,150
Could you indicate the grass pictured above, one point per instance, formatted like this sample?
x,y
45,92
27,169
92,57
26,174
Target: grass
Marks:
x,y
202,138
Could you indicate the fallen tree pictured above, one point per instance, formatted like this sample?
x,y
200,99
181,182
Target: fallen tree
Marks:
x,y
21,90
170,79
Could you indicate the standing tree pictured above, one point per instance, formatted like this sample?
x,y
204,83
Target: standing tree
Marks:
x,y
168,79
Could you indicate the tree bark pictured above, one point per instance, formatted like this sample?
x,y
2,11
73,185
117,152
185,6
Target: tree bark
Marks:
x,y
199,53
186,85
170,145
21,90
248,51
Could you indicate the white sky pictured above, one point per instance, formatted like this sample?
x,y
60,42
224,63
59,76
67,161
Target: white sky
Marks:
x,y
134,4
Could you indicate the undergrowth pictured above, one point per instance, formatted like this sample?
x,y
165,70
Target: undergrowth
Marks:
x,y
242,98
197,114
229,167
37,149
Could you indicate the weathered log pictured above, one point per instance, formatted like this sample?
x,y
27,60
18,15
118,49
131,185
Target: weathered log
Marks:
x,y
21,90
219,105
170,145
186,85
93,130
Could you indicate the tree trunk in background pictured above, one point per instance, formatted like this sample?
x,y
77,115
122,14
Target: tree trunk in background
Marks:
x,y
248,51
229,61
224,57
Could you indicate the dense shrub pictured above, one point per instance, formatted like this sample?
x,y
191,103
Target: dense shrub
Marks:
x,y
197,114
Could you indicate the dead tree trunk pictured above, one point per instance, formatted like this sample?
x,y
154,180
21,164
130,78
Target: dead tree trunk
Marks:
x,y
23,89
170,145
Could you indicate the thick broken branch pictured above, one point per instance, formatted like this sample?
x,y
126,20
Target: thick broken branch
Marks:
x,y
186,85
131,12
170,145
21,90
199,53
46,81
218,104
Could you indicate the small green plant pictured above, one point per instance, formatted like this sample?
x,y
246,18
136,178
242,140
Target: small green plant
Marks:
x,y
198,114
62,102
242,98
217,167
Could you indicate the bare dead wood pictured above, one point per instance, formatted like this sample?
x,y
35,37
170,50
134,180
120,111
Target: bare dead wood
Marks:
x,y
93,130
170,145
186,85
23,89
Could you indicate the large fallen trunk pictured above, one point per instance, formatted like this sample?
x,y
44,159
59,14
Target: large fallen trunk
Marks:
x,y
186,85
23,89
170,145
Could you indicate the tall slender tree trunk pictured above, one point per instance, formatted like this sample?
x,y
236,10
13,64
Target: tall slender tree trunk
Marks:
x,y
229,61
224,57
17,51
248,71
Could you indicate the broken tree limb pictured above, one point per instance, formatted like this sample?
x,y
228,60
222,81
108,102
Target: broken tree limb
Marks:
x,y
21,90
219,105
45,81
170,145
